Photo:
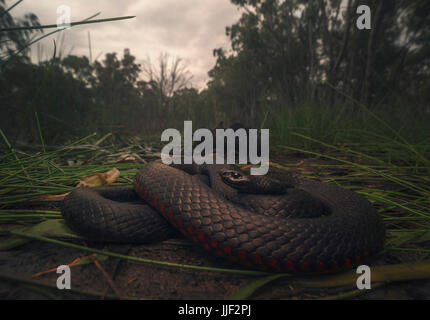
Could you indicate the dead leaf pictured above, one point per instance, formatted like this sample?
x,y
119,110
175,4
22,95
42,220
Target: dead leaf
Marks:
x,y
99,179
52,197
92,180
128,157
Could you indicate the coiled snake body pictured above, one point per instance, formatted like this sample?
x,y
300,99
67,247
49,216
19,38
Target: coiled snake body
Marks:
x,y
339,227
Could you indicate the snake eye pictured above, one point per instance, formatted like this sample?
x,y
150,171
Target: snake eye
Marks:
x,y
236,175
232,175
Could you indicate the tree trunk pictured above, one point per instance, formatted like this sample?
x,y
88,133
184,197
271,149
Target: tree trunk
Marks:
x,y
345,40
367,82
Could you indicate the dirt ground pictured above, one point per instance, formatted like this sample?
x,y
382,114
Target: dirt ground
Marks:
x,y
143,281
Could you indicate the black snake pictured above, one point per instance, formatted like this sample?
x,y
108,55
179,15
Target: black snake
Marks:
x,y
313,226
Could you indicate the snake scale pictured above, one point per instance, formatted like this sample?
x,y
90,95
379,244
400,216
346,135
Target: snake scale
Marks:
x,y
313,227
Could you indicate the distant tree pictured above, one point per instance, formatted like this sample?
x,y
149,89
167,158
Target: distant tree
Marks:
x,y
11,41
168,76
62,103
238,82
116,90
80,68
283,52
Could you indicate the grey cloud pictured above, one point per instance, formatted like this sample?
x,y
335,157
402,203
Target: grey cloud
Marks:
x,y
190,29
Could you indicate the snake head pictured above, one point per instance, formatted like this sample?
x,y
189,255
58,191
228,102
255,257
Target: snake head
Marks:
x,y
250,184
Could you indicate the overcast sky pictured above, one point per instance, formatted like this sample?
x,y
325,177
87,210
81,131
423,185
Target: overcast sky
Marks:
x,y
189,29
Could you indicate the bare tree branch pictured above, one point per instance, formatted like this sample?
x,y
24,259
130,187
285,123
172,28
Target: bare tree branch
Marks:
x,y
169,75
